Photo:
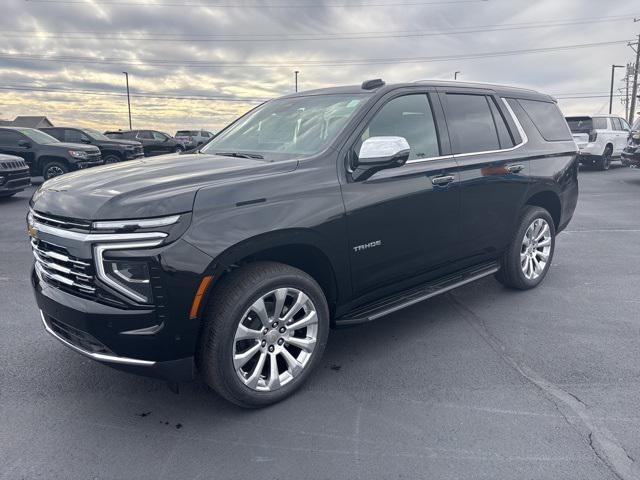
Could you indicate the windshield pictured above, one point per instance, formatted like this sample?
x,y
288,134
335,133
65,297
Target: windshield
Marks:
x,y
95,134
288,127
37,136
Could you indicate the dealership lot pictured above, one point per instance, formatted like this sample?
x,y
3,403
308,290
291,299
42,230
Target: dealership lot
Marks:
x,y
479,383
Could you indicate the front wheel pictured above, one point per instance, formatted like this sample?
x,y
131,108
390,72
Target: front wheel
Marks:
x,y
264,333
178,150
526,261
54,169
111,159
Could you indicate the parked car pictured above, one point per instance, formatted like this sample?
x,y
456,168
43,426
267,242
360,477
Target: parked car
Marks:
x,y
599,138
193,138
14,175
153,142
46,155
112,150
326,208
631,153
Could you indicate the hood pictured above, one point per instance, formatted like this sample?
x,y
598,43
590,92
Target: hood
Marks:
x,y
149,187
73,146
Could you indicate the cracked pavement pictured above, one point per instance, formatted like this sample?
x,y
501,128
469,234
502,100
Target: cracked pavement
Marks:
x,y
480,383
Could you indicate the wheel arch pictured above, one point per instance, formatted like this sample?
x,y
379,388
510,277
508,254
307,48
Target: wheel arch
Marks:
x,y
43,159
550,201
296,248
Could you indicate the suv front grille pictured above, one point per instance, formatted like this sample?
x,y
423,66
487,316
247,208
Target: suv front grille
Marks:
x,y
13,165
60,222
56,266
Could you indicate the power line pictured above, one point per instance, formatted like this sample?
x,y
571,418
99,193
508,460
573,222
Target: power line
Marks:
x,y
296,63
126,3
167,37
137,95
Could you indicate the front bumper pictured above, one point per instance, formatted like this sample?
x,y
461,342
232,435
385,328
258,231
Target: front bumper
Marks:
x,y
632,155
14,181
87,164
104,333
134,155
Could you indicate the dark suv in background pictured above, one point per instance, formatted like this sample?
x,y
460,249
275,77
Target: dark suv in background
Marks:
x,y
112,150
324,208
14,175
46,155
153,142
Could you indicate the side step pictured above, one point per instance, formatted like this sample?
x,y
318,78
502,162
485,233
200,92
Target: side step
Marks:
x,y
404,299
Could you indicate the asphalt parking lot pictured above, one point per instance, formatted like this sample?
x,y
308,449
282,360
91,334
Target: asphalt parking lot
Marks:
x,y
479,383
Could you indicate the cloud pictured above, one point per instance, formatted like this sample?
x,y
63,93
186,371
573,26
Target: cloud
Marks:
x,y
82,29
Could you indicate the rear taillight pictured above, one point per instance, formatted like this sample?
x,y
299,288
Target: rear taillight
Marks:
x,y
593,136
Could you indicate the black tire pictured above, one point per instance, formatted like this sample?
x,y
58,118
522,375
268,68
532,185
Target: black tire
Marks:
x,y
178,150
54,168
230,300
604,162
511,272
111,159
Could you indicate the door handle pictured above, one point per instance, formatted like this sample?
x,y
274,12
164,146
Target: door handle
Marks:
x,y
515,168
443,180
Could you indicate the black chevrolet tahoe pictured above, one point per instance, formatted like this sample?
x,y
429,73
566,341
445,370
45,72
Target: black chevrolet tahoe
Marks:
x,y
320,209
14,175
46,155
112,150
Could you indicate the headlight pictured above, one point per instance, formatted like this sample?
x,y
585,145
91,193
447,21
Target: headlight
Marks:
x,y
132,277
129,147
78,154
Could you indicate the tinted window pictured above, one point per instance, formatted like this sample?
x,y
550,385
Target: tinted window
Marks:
x,y
145,134
506,141
9,137
409,117
74,136
600,123
114,135
471,123
159,136
548,119
580,124
616,124
56,133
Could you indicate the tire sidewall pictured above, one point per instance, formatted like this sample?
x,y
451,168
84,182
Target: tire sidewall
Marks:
x,y
48,165
526,221
223,358
109,159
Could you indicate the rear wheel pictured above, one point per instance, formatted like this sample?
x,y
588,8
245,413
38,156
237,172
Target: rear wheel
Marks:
x,y
54,168
526,261
111,159
179,150
264,333
605,160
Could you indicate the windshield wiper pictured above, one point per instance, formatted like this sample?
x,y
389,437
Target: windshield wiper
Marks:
x,y
240,155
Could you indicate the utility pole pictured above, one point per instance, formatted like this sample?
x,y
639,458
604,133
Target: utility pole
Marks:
x,y
296,72
634,90
455,74
626,94
613,69
126,74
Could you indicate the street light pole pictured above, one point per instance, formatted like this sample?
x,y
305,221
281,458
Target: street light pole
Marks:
x,y
613,69
296,72
126,74
455,75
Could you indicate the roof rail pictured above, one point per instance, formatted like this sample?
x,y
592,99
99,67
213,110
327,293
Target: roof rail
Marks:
x,y
488,84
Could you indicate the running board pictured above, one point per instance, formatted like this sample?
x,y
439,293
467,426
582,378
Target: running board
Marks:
x,y
396,302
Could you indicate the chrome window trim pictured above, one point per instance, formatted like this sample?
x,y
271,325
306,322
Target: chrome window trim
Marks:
x,y
96,356
97,237
99,251
523,141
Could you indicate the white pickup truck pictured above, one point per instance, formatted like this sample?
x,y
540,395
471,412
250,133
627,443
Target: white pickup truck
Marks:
x,y
599,138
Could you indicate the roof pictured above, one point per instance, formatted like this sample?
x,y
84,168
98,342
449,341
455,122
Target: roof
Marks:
x,y
499,89
31,121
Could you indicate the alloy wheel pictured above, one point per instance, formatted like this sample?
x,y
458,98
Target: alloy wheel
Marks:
x,y
275,339
54,171
536,249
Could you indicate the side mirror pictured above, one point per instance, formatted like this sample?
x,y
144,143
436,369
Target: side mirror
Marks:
x,y
24,144
379,153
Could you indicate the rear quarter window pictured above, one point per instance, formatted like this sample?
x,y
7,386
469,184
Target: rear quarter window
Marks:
x,y
600,123
548,119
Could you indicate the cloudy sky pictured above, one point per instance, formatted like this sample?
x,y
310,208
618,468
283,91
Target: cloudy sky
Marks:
x,y
201,63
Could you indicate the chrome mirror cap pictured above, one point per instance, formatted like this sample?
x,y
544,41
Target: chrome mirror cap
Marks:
x,y
382,149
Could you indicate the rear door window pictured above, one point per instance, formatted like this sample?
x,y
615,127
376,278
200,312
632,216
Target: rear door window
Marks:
x,y
145,134
74,136
600,123
504,136
548,119
471,123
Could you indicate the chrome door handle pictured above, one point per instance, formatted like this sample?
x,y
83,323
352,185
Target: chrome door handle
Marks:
x,y
515,168
444,180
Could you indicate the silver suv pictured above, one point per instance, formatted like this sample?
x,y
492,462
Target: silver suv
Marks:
x,y
193,138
